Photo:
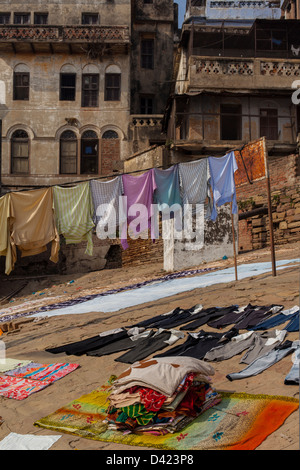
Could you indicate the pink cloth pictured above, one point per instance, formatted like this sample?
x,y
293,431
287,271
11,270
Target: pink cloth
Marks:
x,y
138,190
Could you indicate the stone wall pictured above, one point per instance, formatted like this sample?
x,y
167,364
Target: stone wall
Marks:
x,y
254,232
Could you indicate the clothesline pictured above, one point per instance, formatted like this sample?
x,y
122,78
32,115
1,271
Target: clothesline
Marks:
x,y
114,175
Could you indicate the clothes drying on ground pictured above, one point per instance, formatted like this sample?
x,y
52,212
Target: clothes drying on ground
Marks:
x,y
32,224
222,182
167,192
209,314
159,340
175,317
78,348
292,378
291,315
74,214
7,364
138,190
197,344
45,372
254,316
106,198
245,317
194,186
255,345
129,342
264,362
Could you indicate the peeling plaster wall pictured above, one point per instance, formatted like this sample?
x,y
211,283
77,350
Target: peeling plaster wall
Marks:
x,y
218,242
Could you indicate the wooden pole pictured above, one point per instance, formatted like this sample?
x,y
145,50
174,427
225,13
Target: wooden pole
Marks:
x,y
270,212
234,246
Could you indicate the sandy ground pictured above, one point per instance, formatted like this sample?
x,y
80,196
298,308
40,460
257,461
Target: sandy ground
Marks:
x,y
28,339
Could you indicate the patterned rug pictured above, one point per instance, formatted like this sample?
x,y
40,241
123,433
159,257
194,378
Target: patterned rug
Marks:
x,y
21,382
239,422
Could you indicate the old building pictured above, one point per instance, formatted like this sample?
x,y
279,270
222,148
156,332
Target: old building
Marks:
x,y
236,81
82,86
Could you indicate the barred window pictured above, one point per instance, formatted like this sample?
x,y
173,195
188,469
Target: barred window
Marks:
x,y
90,90
20,152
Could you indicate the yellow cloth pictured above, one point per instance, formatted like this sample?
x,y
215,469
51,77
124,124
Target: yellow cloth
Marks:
x,y
5,248
32,224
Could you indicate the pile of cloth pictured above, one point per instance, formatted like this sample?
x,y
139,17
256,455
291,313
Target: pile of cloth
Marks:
x,y
160,396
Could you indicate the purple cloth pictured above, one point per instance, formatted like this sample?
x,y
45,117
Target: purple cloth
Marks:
x,y
138,190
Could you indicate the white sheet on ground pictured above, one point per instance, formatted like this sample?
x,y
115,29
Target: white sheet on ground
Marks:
x,y
162,289
27,442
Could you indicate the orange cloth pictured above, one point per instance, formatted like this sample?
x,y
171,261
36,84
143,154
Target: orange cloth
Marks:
x,y
5,247
32,224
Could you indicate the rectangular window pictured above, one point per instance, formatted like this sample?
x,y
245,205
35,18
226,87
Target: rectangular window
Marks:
x,y
146,105
90,90
41,18
4,18
269,124
90,18
21,86
68,159
147,53
231,122
112,87
20,160
67,87
21,18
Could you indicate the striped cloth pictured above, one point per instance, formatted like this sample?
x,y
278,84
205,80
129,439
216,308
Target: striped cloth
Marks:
x,y
74,214
106,192
194,177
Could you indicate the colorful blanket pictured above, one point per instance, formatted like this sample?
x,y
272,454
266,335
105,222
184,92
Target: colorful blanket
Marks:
x,y
239,422
21,382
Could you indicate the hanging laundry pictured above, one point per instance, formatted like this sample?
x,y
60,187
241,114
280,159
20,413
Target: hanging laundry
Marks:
x,y
138,190
106,193
32,224
5,247
167,191
222,182
74,214
194,177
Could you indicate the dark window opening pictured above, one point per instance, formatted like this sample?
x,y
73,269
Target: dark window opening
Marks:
x,y
147,53
67,87
20,152
68,153
90,18
231,122
90,90
21,86
89,153
41,18
269,124
21,18
110,135
146,105
112,86
4,18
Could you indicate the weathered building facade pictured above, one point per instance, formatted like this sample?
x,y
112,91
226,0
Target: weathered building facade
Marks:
x,y
235,81
82,86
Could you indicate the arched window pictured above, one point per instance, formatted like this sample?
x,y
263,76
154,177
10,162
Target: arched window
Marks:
x,y
20,152
110,135
110,152
89,152
68,153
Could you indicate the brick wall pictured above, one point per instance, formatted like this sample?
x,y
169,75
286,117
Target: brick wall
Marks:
x,y
110,156
285,197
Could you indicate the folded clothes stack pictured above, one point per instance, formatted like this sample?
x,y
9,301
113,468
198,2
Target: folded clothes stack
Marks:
x,y
160,396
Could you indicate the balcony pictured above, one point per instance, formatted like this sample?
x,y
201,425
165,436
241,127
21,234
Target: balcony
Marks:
x,y
215,73
23,38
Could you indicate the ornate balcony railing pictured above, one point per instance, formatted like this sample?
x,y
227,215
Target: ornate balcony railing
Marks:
x,y
47,33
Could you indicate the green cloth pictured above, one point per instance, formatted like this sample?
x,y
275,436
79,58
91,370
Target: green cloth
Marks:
x,y
74,214
137,412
